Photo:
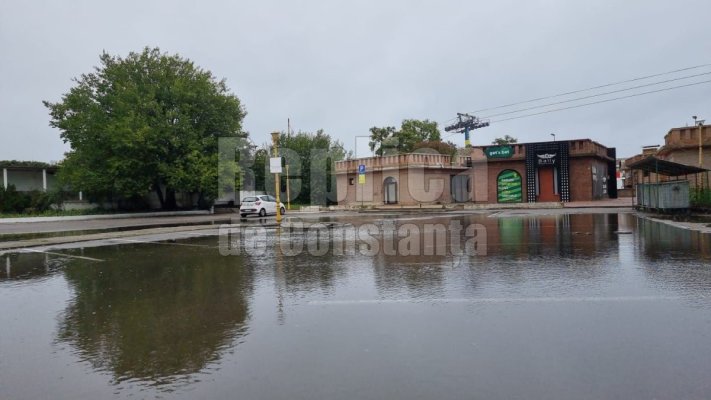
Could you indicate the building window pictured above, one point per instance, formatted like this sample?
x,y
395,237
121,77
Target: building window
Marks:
x,y
351,181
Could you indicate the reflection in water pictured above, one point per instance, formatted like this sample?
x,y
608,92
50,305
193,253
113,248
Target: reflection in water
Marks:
x,y
516,249
677,259
664,241
157,315
169,315
18,267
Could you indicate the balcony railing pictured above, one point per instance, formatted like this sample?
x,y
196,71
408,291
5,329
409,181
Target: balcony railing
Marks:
x,y
400,161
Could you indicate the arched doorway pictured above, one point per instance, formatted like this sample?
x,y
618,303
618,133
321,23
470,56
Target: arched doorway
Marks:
x,y
509,188
390,190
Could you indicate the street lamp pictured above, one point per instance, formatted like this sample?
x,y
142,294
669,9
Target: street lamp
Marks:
x,y
700,123
553,134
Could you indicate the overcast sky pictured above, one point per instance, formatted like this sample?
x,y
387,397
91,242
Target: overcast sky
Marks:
x,y
347,66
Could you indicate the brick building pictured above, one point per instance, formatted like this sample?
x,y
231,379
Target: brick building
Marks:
x,y
681,145
559,171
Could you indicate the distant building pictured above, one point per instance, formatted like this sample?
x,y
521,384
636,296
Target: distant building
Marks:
x,y
28,176
681,145
558,171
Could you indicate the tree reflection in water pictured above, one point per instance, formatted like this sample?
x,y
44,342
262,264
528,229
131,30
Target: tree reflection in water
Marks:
x,y
157,316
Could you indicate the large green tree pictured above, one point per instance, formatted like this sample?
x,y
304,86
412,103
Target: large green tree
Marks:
x,y
147,121
388,140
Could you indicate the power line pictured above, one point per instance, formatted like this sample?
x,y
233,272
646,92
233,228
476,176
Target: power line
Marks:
x,y
597,95
602,101
592,88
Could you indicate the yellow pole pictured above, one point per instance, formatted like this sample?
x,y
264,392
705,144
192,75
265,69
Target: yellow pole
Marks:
x,y
275,143
288,195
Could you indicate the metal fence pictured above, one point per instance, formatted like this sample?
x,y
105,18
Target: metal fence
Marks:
x,y
672,195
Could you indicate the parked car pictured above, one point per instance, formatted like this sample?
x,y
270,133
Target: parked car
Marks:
x,y
261,205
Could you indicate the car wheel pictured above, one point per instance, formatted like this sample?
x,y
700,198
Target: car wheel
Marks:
x,y
262,212
283,211
243,215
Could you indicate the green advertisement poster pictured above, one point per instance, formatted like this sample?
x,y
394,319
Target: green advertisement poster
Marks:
x,y
509,188
499,152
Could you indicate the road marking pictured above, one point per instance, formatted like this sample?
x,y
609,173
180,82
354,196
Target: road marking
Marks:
x,y
62,254
500,300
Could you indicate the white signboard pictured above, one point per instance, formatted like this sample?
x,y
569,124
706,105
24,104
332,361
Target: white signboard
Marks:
x,y
275,165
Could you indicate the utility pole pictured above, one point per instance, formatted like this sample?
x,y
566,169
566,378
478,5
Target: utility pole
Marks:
x,y
275,144
288,195
700,123
466,123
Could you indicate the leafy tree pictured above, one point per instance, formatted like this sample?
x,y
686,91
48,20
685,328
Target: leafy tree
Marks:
x,y
439,147
413,131
149,121
260,168
377,138
505,140
388,140
311,158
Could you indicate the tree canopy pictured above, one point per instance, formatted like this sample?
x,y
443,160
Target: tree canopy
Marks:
x,y
311,159
505,140
149,121
388,140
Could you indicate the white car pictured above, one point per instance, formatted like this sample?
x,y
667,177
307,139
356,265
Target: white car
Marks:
x,y
261,205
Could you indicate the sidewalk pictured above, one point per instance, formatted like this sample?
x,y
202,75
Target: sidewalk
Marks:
x,y
35,226
608,203
101,216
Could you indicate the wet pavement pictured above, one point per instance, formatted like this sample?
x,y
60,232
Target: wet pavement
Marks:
x,y
557,306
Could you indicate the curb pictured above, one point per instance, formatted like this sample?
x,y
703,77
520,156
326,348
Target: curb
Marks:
x,y
102,216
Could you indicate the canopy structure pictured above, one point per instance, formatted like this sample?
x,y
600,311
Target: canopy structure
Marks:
x,y
671,195
664,167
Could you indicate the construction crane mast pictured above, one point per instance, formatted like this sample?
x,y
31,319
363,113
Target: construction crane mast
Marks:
x,y
465,124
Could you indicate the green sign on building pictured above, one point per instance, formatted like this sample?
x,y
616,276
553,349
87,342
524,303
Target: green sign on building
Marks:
x,y
499,152
509,188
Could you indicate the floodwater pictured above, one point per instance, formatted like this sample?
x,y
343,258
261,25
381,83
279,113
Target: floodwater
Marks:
x,y
547,307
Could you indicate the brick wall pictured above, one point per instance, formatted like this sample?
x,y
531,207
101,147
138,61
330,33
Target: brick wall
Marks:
x,y
688,136
581,184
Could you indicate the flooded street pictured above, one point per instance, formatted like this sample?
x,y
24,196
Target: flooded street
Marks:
x,y
583,306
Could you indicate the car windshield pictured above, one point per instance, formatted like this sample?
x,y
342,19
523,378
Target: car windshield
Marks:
x,y
249,199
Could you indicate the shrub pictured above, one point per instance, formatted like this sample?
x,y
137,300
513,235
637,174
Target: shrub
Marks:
x,y
12,201
701,198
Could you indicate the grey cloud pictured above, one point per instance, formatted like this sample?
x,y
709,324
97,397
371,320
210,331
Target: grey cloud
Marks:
x,y
347,66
